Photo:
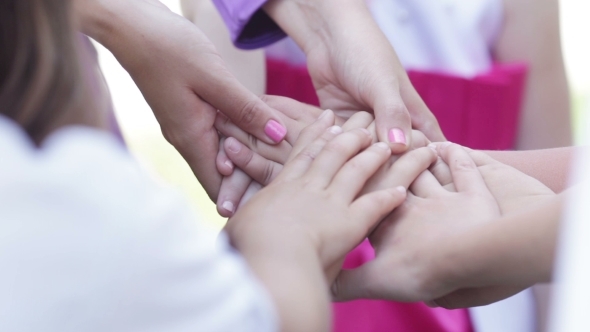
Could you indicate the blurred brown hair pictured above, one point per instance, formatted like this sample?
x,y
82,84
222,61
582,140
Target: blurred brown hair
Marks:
x,y
43,85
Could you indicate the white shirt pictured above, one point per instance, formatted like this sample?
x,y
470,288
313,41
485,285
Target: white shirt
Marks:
x,y
90,242
571,305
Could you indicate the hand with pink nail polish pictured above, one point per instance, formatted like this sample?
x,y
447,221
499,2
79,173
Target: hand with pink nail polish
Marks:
x,y
262,162
295,232
183,79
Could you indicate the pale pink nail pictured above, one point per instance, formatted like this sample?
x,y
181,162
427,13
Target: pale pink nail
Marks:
x,y
275,131
233,145
229,206
229,164
396,135
401,189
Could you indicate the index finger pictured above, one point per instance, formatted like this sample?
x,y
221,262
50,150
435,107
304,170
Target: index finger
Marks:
x,y
243,107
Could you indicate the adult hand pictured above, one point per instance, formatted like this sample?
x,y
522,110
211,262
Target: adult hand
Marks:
x,y
182,77
512,189
354,67
406,242
262,162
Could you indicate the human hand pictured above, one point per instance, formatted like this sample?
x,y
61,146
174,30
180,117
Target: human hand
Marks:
x,y
262,162
181,76
406,242
355,68
511,188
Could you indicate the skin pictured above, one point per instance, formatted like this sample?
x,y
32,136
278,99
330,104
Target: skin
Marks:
x,y
530,33
181,75
355,69
295,232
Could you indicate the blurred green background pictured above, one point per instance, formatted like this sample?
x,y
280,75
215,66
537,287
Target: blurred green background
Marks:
x,y
145,140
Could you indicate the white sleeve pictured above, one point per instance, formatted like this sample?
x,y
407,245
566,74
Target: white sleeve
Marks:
x,y
90,243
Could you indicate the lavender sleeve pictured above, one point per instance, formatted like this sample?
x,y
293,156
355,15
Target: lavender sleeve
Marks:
x,y
249,26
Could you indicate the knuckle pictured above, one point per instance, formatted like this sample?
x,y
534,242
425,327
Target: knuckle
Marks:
x,y
249,113
267,173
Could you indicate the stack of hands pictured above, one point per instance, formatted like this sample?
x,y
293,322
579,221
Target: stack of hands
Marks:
x,y
451,190
310,185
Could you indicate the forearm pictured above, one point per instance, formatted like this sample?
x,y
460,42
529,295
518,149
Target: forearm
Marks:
x,y
292,274
518,250
550,166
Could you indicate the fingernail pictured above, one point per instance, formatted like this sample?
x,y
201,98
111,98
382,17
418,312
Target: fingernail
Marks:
x,y
233,145
382,145
229,164
324,114
275,131
366,131
432,146
335,130
229,206
401,189
396,135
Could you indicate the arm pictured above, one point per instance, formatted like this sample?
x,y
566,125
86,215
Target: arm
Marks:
x,y
551,166
518,249
531,34
182,77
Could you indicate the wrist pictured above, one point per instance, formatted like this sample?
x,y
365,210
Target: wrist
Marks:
x,y
313,23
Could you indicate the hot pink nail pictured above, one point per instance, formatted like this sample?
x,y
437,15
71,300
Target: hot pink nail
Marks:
x,y
275,131
396,135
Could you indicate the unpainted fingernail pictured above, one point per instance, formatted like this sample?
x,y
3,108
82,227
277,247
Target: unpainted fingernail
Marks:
x,y
335,130
366,131
324,114
275,131
432,146
382,145
229,206
396,135
229,164
233,145
401,189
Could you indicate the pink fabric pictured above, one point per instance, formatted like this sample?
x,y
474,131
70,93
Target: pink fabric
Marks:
x,y
378,316
480,113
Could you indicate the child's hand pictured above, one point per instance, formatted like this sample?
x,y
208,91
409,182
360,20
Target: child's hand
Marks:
x,y
406,242
314,203
258,163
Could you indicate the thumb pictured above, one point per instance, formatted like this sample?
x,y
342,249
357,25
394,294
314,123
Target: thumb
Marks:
x,y
354,284
393,121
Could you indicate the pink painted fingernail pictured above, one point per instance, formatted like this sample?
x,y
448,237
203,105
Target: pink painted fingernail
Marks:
x,y
229,206
396,135
275,131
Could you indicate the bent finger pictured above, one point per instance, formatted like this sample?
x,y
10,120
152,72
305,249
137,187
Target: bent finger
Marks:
x,y
466,176
232,189
278,152
224,165
258,168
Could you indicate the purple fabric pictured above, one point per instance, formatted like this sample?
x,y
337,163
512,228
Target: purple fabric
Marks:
x,y
249,26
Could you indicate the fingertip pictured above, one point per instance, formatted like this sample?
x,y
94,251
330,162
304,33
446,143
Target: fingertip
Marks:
x,y
232,146
224,166
226,208
275,131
